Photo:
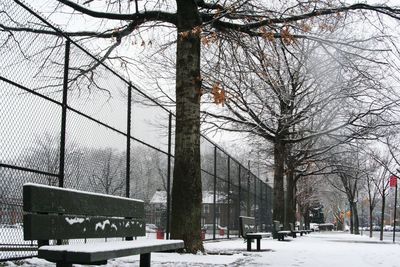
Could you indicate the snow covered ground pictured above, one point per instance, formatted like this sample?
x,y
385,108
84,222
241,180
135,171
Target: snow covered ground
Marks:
x,y
329,249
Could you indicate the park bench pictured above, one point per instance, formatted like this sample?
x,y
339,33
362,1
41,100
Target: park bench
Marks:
x,y
305,231
248,231
277,233
294,232
53,213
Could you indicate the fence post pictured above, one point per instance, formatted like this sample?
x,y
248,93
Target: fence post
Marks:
x,y
268,207
260,203
169,175
255,200
128,148
229,195
128,143
261,213
248,190
239,196
64,114
215,192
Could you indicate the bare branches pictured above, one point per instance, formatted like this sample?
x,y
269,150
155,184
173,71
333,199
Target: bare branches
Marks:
x,y
136,18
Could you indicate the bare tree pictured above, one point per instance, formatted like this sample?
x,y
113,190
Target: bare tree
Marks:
x,y
287,21
292,96
107,171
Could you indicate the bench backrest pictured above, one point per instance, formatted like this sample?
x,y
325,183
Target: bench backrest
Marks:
x,y
277,226
59,213
247,225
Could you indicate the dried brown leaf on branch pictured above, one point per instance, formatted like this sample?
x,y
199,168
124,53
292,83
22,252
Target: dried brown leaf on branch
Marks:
x,y
267,35
219,94
286,36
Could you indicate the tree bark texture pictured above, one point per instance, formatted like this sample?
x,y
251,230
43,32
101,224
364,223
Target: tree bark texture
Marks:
x,y
356,222
370,220
290,196
186,188
382,214
306,216
279,168
351,218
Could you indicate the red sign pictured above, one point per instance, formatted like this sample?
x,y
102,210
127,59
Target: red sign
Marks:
x,y
393,181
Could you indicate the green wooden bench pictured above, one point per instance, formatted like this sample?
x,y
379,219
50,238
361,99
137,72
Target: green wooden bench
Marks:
x,y
304,231
278,233
53,213
248,231
294,232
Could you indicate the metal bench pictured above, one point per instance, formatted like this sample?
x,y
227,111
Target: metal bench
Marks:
x,y
278,233
294,232
304,231
248,231
53,213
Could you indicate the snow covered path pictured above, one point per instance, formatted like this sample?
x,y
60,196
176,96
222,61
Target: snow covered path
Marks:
x,y
315,250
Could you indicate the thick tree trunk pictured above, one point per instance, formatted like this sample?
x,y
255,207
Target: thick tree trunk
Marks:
x,y
186,189
290,196
351,218
371,210
306,216
279,168
382,215
356,221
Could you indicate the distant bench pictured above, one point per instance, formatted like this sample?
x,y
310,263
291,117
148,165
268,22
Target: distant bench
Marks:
x,y
279,234
53,213
304,231
249,232
294,232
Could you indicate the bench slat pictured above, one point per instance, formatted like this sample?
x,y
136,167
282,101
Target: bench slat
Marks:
x,y
46,226
84,254
266,234
46,199
247,225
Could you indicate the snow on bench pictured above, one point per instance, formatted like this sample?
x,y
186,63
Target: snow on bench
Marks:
x,y
248,231
53,213
278,233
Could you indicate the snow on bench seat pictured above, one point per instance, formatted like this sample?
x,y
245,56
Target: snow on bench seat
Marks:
x,y
97,252
262,234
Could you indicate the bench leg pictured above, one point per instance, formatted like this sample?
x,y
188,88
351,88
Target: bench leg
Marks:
x,y
145,260
258,244
248,244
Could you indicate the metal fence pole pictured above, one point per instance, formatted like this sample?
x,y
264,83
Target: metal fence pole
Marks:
x,y
248,190
261,213
239,196
128,143
64,114
169,175
128,147
268,204
229,195
255,199
215,192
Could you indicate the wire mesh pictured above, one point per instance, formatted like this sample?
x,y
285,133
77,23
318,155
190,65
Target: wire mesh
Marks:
x,y
99,154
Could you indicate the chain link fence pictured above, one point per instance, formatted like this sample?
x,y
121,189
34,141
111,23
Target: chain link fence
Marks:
x,y
69,120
